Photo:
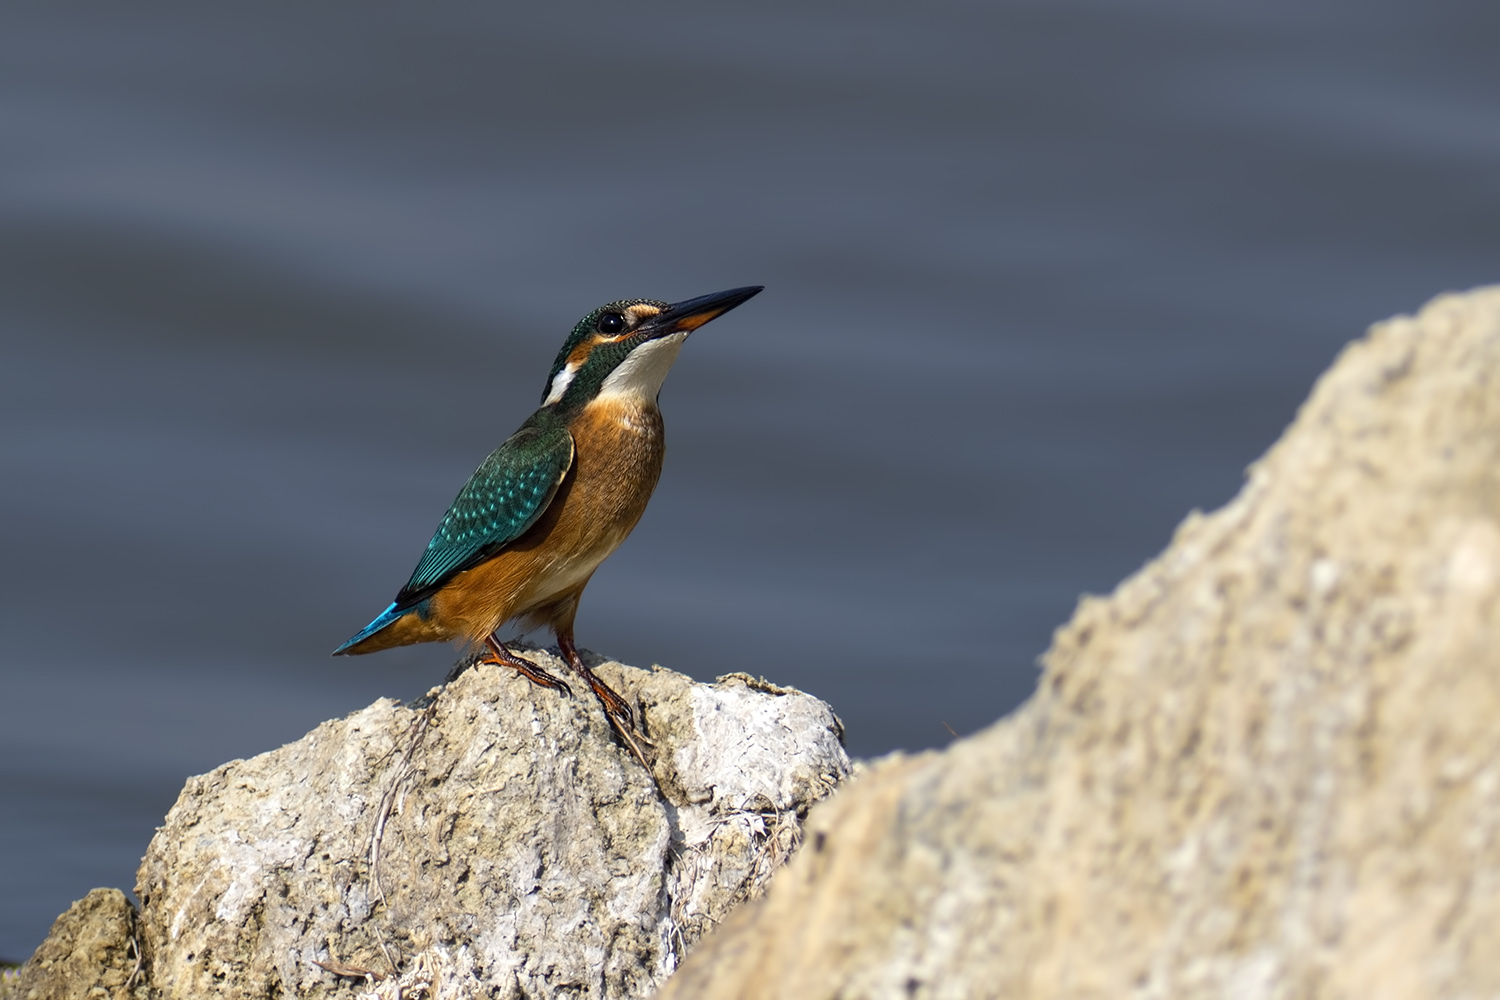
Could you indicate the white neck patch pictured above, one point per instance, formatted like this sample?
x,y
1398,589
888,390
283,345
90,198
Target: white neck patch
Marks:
x,y
560,384
640,375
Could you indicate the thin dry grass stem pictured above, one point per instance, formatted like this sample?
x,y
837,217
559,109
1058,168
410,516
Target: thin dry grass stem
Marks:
x,y
338,968
415,985
782,838
140,955
394,789
775,835
629,738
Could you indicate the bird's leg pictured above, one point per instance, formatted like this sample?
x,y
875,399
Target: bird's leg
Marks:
x,y
614,705
500,655
616,709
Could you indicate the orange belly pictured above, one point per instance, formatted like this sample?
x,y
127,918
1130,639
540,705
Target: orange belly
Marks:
x,y
617,460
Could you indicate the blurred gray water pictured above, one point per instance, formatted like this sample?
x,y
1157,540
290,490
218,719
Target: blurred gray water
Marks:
x,y
1041,278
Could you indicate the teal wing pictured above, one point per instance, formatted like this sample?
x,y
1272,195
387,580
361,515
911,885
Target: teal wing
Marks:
x,y
504,497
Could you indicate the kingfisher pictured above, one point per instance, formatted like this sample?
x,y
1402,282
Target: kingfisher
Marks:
x,y
527,531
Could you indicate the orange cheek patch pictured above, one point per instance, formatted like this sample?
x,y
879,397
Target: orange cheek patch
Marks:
x,y
581,353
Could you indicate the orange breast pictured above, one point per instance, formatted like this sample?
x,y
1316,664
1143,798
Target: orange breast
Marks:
x,y
618,449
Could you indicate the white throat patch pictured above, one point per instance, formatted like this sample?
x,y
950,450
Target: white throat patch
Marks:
x,y
640,375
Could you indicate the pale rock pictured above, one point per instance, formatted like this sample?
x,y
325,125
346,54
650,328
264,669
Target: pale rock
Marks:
x,y
521,851
1266,766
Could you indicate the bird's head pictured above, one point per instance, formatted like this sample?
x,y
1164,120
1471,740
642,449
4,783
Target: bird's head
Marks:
x,y
626,348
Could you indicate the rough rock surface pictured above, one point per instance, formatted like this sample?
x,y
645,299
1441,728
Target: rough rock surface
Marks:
x,y
1268,765
521,852
92,953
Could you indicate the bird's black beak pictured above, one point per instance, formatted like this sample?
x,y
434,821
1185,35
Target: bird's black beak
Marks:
x,y
681,317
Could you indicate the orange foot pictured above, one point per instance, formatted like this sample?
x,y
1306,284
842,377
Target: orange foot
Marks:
x,y
501,656
616,709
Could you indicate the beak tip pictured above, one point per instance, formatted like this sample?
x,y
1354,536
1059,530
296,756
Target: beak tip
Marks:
x,y
693,313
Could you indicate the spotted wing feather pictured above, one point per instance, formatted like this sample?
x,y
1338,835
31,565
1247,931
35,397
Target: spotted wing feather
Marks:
x,y
504,497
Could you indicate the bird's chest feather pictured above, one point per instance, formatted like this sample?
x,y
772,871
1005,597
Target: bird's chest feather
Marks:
x,y
618,450
617,457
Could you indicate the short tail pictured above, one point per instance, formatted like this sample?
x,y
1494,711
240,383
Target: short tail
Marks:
x,y
369,638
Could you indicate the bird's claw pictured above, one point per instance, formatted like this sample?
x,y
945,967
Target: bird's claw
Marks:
x,y
616,709
498,655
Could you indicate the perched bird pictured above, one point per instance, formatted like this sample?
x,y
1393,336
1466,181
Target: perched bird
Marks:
x,y
549,505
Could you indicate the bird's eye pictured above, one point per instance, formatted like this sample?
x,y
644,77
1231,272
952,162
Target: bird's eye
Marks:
x,y
611,323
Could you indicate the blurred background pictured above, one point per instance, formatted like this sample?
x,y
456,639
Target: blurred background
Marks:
x,y
1041,278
